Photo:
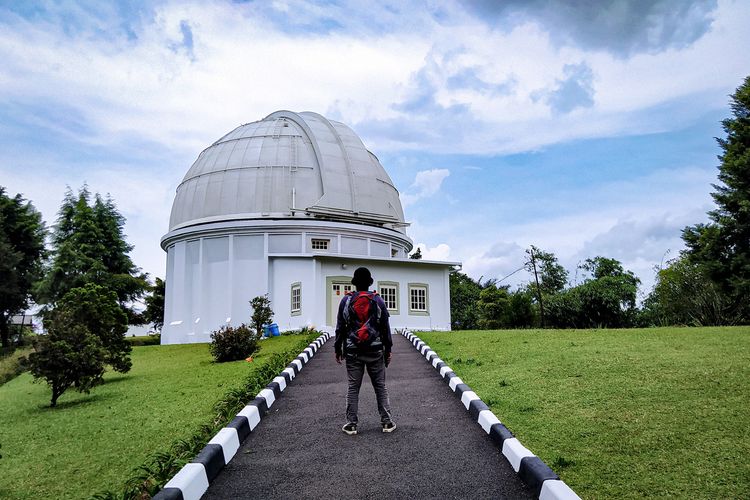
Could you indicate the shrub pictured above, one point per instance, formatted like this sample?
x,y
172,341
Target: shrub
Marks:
x,y
150,339
233,343
262,313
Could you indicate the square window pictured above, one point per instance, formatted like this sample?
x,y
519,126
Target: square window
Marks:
x,y
319,244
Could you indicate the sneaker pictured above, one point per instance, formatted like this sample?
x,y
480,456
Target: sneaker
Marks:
x,y
350,429
389,427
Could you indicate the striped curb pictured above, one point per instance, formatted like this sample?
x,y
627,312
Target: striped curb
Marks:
x,y
192,481
542,480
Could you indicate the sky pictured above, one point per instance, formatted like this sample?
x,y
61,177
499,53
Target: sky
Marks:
x,y
583,128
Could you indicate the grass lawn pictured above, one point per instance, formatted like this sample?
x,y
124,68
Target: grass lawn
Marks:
x,y
92,442
619,413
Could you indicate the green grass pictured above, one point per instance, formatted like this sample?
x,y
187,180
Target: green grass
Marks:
x,y
10,364
619,413
92,442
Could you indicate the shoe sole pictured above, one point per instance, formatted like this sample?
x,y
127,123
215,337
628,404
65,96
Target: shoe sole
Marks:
x,y
389,430
350,433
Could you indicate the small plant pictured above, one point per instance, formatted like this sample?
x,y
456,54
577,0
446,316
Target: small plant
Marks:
x,y
562,462
262,313
233,343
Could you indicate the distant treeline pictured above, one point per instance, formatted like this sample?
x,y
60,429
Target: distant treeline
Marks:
x,y
707,284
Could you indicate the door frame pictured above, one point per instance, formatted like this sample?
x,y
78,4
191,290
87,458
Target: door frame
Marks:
x,y
330,280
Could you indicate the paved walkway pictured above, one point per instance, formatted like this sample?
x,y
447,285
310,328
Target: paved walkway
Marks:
x,y
299,451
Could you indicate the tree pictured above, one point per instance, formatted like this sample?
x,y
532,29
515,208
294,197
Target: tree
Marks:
x,y
416,255
262,313
22,235
68,356
155,305
520,309
684,295
549,276
97,309
605,299
493,307
722,247
464,297
89,247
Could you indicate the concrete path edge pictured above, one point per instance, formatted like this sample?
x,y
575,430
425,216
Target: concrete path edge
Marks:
x,y
540,478
191,482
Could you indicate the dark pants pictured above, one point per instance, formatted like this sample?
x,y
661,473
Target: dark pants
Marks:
x,y
355,370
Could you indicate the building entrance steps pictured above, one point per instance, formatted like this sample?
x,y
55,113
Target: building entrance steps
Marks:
x,y
299,450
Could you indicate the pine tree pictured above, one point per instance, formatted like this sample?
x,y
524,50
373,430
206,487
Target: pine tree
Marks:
x,y
89,246
22,234
722,247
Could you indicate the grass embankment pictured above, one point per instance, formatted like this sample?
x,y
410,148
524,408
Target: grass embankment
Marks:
x,y
619,413
10,364
92,442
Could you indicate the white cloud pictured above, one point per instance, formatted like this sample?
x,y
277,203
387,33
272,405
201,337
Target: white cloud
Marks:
x,y
635,221
426,183
440,252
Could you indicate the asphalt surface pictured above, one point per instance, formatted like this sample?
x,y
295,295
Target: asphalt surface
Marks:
x,y
299,451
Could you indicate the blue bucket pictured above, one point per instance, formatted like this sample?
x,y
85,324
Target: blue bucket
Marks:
x,y
273,329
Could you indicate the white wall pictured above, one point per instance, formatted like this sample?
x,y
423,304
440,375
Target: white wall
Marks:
x,y
282,273
210,282
435,277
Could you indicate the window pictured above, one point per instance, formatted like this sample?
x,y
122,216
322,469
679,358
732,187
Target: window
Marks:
x,y
394,252
319,244
296,299
418,299
389,293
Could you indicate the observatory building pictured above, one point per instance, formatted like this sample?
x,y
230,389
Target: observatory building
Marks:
x,y
290,206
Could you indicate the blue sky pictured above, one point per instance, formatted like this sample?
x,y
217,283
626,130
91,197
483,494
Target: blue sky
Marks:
x,y
584,130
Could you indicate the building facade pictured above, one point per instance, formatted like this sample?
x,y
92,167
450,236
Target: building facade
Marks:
x,y
289,206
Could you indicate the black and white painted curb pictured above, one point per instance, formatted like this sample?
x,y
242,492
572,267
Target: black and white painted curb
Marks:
x,y
536,474
192,481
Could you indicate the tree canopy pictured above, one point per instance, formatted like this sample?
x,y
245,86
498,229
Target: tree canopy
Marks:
x,y
154,312
89,246
22,235
721,248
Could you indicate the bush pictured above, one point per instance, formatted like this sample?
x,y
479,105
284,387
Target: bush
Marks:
x,y
231,344
149,339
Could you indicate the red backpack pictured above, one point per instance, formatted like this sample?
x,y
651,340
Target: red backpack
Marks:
x,y
362,316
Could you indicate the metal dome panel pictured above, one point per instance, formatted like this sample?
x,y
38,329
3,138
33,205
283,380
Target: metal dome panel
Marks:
x,y
287,165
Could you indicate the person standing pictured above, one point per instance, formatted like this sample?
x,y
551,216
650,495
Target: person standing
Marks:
x,y
363,339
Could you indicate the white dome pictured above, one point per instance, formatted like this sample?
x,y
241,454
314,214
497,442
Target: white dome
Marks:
x,y
288,165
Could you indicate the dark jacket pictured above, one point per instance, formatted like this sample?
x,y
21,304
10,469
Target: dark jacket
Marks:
x,y
342,329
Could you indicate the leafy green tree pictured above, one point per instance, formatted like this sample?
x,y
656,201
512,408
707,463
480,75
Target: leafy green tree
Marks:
x,y
606,299
722,247
89,247
97,309
155,304
22,234
520,309
493,307
552,276
262,313
464,297
68,356
417,255
684,295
